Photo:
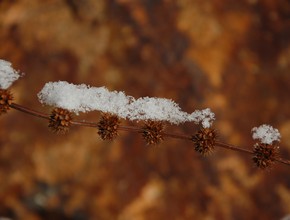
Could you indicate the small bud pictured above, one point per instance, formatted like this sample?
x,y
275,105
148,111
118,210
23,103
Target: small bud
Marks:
x,y
204,141
265,155
5,100
60,120
152,132
108,126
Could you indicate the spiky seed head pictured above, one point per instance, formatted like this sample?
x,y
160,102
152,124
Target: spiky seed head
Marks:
x,y
204,141
108,126
264,155
60,120
152,132
5,100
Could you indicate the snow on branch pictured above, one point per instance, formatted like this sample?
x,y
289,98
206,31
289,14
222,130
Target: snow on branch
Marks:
x,y
266,134
7,74
205,116
83,98
156,109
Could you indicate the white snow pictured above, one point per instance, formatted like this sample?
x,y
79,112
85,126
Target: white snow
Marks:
x,y
83,98
159,109
266,134
7,74
205,116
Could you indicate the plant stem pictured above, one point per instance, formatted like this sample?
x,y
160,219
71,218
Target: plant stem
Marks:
x,y
29,111
139,130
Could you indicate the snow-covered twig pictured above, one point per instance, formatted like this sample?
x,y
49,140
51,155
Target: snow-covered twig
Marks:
x,y
83,98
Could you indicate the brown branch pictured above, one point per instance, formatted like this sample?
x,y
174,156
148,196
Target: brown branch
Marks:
x,y
283,161
29,111
139,130
233,147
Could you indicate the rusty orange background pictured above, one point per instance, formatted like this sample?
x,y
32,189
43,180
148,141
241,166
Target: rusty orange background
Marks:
x,y
231,56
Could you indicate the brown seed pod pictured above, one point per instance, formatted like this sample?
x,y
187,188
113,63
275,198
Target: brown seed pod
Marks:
x,y
108,126
6,98
60,120
152,132
204,141
265,155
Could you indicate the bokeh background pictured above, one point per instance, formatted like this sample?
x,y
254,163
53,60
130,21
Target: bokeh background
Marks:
x,y
232,56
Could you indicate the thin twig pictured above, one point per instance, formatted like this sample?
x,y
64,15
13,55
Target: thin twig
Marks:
x,y
280,160
29,111
137,129
233,147
177,136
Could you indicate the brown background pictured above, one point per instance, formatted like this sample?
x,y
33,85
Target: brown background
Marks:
x,y
232,56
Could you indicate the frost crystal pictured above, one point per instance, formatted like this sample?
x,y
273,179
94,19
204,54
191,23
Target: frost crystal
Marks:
x,y
7,74
266,134
82,98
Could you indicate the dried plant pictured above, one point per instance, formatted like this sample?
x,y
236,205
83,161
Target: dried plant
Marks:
x,y
152,132
5,100
154,112
108,126
204,141
60,120
265,155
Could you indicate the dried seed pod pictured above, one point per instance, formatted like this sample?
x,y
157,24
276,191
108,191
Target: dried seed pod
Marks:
x,y
5,100
60,120
152,132
204,141
265,155
108,126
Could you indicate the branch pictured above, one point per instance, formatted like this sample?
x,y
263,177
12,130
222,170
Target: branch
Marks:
x,y
142,130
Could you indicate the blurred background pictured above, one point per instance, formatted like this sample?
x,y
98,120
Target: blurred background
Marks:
x,y
231,56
